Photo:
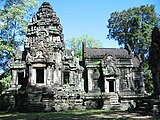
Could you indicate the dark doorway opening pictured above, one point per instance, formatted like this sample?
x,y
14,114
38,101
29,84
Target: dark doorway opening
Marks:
x,y
111,86
66,77
136,83
20,78
39,75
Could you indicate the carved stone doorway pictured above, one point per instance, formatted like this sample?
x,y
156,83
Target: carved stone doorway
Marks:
x,y
20,78
40,75
111,86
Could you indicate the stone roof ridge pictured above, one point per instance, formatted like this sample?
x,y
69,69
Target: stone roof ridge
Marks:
x,y
101,52
138,56
128,48
136,59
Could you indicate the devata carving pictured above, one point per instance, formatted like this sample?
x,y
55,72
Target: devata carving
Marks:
x,y
109,67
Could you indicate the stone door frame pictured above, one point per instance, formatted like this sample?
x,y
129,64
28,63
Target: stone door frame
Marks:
x,y
107,84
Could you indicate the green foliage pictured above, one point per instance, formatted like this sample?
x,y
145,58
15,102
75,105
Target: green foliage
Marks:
x,y
13,27
149,80
75,44
133,26
4,83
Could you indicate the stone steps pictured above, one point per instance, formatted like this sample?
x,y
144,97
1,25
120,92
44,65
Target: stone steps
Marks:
x,y
112,107
149,106
116,103
113,102
113,99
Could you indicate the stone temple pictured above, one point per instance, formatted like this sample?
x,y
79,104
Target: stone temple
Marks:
x,y
48,77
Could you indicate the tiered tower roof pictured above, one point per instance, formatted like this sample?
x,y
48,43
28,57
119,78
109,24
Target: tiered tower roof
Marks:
x,y
44,20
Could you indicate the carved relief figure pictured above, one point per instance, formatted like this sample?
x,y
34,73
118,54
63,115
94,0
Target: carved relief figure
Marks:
x,y
29,58
39,54
109,67
95,76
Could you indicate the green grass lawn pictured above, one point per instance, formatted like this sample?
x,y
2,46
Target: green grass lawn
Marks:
x,y
76,115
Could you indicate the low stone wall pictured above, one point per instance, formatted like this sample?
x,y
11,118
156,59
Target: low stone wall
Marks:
x,y
7,101
38,102
61,100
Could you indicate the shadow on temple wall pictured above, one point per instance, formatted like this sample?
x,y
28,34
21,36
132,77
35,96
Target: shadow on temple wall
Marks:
x,y
101,81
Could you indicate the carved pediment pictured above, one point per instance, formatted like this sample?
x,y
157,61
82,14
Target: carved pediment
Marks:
x,y
109,65
109,59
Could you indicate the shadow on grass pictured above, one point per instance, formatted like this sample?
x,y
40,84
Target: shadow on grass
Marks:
x,y
76,115
12,116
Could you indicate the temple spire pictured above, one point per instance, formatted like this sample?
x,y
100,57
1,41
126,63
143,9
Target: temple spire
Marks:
x,y
44,20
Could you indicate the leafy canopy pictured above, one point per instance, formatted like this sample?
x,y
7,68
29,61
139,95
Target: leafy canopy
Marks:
x,y
133,26
149,81
75,44
13,27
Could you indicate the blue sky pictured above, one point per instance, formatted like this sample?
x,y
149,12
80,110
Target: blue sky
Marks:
x,y
79,17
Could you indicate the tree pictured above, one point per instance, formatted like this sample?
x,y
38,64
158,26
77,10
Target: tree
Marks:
x,y
13,27
75,44
133,26
149,81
